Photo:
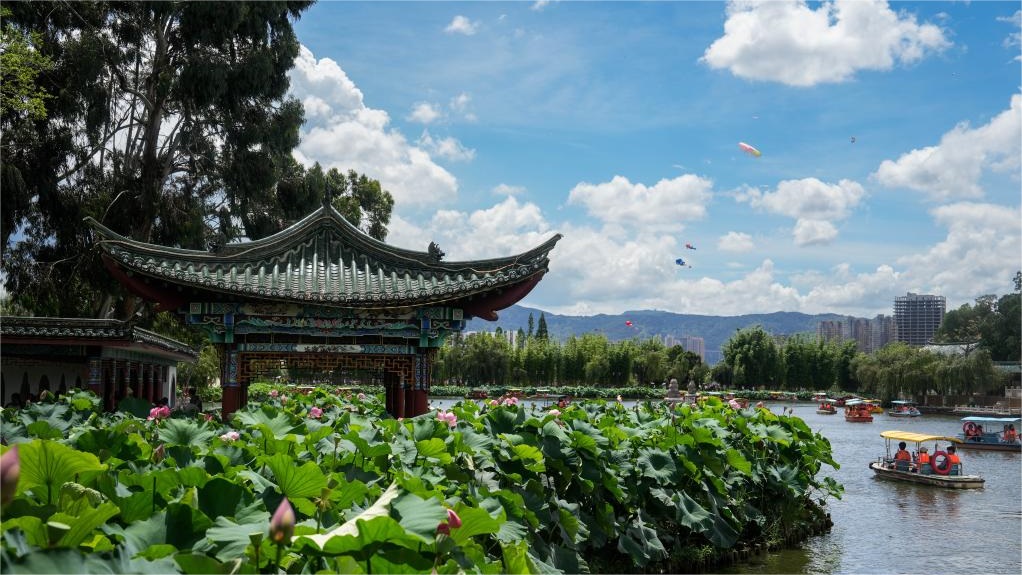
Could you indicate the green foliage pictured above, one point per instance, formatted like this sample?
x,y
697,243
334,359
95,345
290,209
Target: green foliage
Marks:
x,y
597,485
900,370
164,118
753,358
992,324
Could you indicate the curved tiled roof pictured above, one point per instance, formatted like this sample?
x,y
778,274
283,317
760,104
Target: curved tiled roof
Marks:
x,y
99,330
324,260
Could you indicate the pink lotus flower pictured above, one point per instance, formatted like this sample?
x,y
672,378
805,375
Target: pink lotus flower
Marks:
x,y
315,412
511,400
734,404
453,522
619,400
208,416
282,524
161,412
448,417
555,412
274,393
452,519
361,397
231,436
494,403
10,470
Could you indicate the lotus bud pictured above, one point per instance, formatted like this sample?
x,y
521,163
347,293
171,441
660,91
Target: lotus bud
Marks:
x,y
452,519
282,524
10,469
159,453
315,412
555,412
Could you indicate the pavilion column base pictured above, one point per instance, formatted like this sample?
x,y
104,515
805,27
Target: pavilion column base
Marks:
x,y
418,402
231,400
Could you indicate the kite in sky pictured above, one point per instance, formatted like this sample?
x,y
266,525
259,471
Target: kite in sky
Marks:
x,y
749,149
628,323
690,246
853,139
681,262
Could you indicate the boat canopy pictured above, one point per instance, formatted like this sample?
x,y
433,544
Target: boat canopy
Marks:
x,y
903,402
978,419
855,401
916,437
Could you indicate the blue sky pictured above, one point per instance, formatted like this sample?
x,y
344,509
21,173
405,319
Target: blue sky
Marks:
x,y
497,124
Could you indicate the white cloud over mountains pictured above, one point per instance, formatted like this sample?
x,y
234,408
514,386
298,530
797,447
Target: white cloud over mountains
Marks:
x,y
812,203
952,169
789,42
665,205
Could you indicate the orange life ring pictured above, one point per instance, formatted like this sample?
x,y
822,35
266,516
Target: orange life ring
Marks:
x,y
969,428
940,469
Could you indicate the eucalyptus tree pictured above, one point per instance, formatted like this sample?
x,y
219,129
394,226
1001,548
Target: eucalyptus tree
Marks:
x,y
169,122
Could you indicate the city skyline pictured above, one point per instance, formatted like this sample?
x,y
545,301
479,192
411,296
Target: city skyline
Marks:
x,y
889,132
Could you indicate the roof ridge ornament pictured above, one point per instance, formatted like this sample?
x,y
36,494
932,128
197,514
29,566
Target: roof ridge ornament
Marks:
x,y
328,197
435,253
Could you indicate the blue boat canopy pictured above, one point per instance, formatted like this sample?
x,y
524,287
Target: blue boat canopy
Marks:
x,y
978,419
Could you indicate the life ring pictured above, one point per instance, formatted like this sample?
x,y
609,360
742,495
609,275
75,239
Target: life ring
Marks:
x,y
943,469
969,428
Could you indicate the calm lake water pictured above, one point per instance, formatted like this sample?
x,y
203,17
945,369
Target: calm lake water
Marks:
x,y
889,527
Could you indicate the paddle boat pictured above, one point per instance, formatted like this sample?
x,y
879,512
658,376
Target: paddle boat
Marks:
x,y
991,433
477,393
826,407
903,408
857,411
874,405
939,472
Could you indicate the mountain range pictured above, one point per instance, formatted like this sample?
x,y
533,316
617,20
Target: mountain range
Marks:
x,y
714,330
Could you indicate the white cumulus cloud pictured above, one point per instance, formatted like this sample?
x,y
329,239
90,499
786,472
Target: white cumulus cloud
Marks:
x,y
735,242
508,190
812,203
424,113
462,25
953,168
342,132
448,148
666,204
788,41
813,232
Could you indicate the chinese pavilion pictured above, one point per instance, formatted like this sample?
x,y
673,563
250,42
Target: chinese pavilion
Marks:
x,y
322,295
115,359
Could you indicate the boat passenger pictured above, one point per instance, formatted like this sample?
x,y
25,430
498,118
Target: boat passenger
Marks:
x,y
902,459
956,462
923,462
1010,435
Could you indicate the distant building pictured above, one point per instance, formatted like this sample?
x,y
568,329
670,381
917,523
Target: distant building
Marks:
x,y
830,330
883,330
918,316
694,344
690,343
869,334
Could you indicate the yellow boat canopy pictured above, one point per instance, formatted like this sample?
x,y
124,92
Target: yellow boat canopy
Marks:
x,y
916,437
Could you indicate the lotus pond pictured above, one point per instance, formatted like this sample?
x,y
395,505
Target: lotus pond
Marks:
x,y
324,483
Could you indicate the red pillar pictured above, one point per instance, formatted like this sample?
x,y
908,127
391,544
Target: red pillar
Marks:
x,y
399,399
233,395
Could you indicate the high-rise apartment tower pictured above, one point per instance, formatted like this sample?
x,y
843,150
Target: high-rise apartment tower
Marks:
x,y
918,316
